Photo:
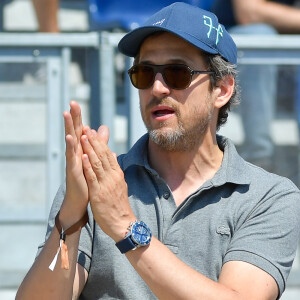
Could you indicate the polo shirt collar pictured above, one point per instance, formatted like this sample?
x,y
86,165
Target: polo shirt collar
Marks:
x,y
138,154
233,168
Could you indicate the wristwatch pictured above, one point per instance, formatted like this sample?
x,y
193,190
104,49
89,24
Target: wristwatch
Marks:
x,y
139,235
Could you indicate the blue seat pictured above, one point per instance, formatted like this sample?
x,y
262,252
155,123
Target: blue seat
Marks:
x,y
128,14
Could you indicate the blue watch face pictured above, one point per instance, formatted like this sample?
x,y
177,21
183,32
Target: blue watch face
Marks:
x,y
141,233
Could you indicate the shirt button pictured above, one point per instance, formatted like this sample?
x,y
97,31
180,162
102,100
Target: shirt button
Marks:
x,y
166,195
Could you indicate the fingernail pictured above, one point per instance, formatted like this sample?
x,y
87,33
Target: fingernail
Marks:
x,y
101,129
88,131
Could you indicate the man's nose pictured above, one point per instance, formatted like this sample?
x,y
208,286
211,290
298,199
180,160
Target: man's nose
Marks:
x,y
159,86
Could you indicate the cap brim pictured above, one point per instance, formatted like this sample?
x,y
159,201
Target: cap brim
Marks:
x,y
131,42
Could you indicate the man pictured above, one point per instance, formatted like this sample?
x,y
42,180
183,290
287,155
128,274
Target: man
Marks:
x,y
221,228
258,82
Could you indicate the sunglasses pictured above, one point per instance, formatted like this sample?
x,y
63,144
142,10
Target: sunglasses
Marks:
x,y
176,76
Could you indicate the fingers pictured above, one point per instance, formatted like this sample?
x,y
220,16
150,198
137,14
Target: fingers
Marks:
x,y
115,156
69,127
75,112
73,120
89,174
103,132
93,143
94,160
70,153
99,143
100,156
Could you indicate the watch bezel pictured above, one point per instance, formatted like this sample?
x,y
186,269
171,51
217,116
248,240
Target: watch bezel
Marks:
x,y
134,233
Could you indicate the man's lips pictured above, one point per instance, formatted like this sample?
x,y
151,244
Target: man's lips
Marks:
x,y
162,112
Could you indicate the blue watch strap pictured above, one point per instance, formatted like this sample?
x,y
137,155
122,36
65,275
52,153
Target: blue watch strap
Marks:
x,y
126,245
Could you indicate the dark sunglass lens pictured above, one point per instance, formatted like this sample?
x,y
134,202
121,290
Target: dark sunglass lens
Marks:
x,y
141,76
177,76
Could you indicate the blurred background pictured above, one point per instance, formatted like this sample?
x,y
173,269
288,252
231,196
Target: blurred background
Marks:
x,y
40,73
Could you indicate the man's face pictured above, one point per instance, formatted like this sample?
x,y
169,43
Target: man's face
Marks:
x,y
176,120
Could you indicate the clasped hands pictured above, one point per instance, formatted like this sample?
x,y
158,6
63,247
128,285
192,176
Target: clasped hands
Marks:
x,y
93,176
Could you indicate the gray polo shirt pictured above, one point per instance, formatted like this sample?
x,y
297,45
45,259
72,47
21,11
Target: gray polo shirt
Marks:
x,y
242,214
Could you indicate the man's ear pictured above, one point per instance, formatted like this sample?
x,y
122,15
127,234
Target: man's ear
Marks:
x,y
224,91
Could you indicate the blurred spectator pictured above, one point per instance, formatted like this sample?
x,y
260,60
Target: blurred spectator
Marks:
x,y
47,17
46,13
258,83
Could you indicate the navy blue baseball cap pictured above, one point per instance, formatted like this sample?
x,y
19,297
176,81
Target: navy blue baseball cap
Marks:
x,y
199,27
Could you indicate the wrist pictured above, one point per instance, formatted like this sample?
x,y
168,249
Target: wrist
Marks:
x,y
138,235
63,233
70,229
121,231
70,215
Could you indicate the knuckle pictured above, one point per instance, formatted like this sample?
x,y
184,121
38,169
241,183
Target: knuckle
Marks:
x,y
91,177
100,156
97,165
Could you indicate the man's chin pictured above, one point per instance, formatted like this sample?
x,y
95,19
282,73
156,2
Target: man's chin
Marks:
x,y
167,139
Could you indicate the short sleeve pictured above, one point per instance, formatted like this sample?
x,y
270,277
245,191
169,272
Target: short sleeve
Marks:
x,y
269,237
86,236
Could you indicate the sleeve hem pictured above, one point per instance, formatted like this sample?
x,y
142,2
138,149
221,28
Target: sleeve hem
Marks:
x,y
84,260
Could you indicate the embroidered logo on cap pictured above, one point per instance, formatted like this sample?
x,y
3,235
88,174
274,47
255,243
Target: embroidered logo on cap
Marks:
x,y
208,22
159,22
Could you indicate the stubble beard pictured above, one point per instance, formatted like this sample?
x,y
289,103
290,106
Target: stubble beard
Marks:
x,y
182,138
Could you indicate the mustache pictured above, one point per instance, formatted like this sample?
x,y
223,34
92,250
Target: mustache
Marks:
x,y
161,101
